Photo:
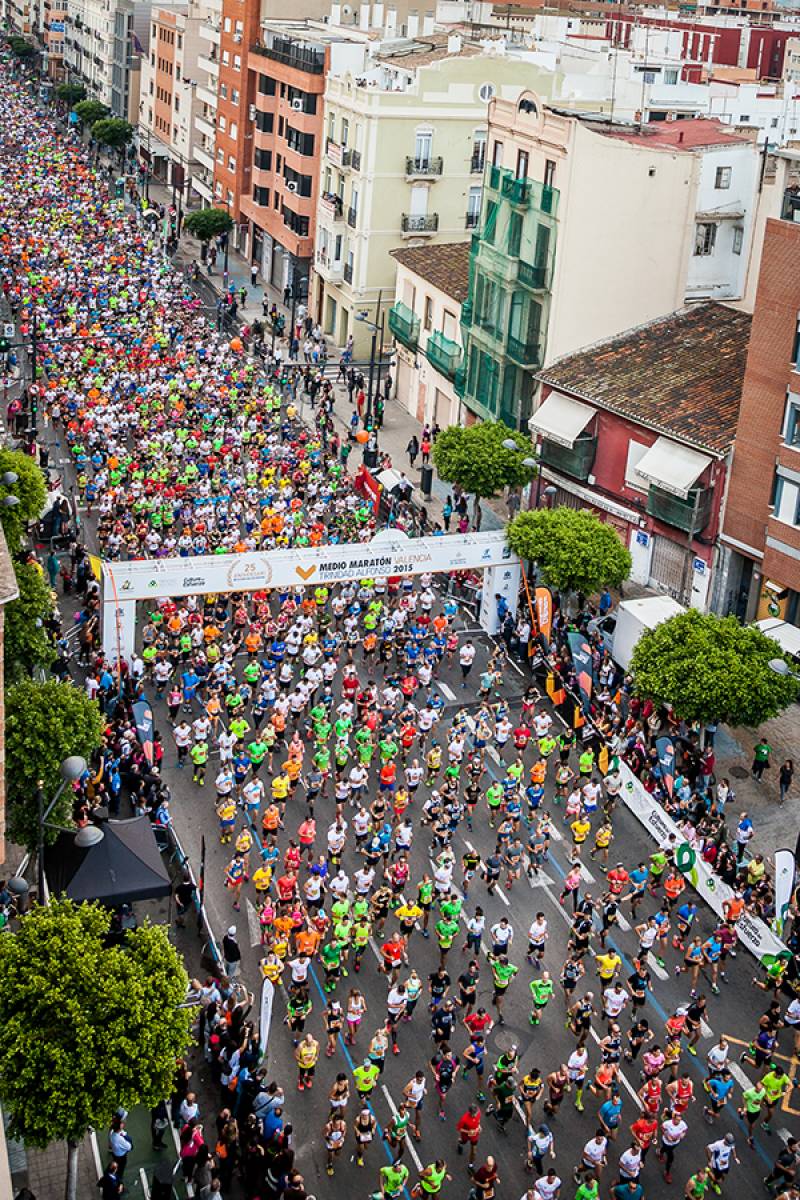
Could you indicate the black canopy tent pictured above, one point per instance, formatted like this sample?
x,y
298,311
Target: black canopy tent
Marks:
x,y
124,867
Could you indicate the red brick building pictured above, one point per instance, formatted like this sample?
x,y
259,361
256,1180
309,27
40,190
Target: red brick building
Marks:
x,y
761,529
640,429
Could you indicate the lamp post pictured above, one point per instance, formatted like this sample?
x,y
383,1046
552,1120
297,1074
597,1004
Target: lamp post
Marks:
x,y
72,769
779,666
374,382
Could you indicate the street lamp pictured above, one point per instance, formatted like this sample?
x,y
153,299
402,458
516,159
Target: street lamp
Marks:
x,y
72,769
9,478
779,666
509,444
376,327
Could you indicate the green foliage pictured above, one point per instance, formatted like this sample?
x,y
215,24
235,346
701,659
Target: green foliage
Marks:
x,y
27,644
70,93
476,459
113,132
29,489
85,1028
21,47
711,668
207,223
90,111
45,723
575,551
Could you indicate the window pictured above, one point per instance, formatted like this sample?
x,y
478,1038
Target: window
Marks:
x,y
223,124
636,452
427,319
266,85
478,157
791,431
738,238
234,130
262,159
497,154
670,76
549,172
489,229
237,62
423,143
345,131
226,24
231,163
450,325
234,95
523,160
787,501
723,178
226,58
220,154
744,118
774,122
514,234
705,237
223,91
474,207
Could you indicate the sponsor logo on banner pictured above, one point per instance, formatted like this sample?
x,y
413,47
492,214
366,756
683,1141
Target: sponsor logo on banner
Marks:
x,y
754,934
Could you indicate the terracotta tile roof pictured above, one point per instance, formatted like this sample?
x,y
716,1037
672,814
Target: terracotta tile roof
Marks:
x,y
686,135
680,375
444,264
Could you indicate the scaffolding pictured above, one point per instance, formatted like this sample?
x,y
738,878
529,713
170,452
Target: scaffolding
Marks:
x,y
504,318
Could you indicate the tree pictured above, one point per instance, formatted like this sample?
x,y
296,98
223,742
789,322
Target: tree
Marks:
x,y
70,93
27,643
90,111
711,668
21,47
476,460
85,1027
112,132
208,223
29,489
574,550
45,723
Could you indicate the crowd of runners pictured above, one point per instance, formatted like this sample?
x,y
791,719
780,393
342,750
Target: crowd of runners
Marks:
x,y
312,721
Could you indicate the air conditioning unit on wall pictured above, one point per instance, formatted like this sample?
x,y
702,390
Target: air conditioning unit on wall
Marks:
x,y
297,105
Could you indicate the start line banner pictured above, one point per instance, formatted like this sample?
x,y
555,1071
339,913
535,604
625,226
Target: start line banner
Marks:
x,y
389,553
754,934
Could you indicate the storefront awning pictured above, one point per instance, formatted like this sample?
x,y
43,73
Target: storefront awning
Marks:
x,y
671,466
561,419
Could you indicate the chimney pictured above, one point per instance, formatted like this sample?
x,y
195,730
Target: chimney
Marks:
x,y
428,24
376,20
454,43
412,27
391,22
363,17
336,14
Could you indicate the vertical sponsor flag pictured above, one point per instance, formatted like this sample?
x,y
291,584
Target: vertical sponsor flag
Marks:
x,y
785,870
582,658
543,601
555,689
143,715
666,761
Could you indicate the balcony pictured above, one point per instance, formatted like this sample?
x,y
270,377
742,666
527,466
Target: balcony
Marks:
x,y
330,205
335,152
355,160
443,354
208,97
576,462
328,267
423,168
210,65
348,272
413,225
532,277
523,353
204,157
404,325
476,164
204,126
293,54
210,33
472,220
352,217
791,205
518,191
690,515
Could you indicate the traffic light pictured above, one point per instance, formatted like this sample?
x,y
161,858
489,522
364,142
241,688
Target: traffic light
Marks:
x,y
4,345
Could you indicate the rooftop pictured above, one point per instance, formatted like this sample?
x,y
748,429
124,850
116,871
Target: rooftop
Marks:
x,y
698,134
680,375
421,51
444,264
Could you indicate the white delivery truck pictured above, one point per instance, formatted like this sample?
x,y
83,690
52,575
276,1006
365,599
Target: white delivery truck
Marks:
x,y
622,628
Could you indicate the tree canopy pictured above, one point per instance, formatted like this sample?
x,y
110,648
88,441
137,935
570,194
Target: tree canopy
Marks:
x,y
90,111
476,459
113,132
70,93
573,548
208,223
29,489
21,47
711,668
85,1027
27,643
45,723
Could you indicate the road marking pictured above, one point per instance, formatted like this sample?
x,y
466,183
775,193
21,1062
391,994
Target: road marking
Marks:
x,y
448,691
739,1075
95,1153
659,971
628,1086
415,1158
253,925
501,893
586,874
623,922
145,1184
705,1030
